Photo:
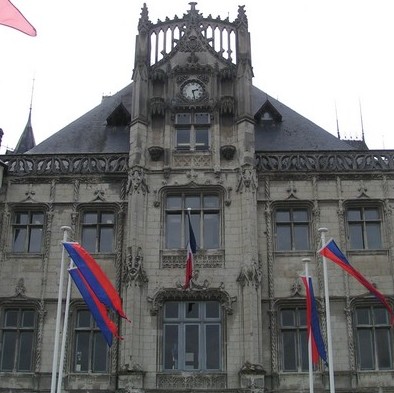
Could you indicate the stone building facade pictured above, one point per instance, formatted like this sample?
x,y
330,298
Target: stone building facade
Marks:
x,y
192,131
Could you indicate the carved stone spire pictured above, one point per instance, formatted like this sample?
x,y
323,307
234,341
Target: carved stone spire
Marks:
x,y
144,23
242,19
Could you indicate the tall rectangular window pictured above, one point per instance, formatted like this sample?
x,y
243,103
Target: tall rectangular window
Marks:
x,y
192,131
292,229
374,339
294,339
205,219
90,348
27,229
17,339
98,231
192,336
364,228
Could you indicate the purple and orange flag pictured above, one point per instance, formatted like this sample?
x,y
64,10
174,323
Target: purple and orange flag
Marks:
x,y
10,16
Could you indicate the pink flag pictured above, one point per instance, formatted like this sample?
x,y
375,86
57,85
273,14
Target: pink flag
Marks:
x,y
191,250
10,16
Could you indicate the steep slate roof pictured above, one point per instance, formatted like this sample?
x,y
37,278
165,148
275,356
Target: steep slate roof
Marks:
x,y
91,133
98,131
292,132
26,141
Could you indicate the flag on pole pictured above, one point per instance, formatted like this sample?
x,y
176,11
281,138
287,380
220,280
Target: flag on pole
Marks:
x,y
313,324
191,250
95,277
98,310
10,16
332,252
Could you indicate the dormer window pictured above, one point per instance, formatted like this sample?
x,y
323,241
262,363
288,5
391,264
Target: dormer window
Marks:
x,y
266,116
192,131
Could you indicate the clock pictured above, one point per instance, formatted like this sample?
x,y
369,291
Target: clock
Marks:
x,y
192,90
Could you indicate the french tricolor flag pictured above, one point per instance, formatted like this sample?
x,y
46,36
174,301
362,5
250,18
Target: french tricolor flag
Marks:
x,y
332,252
191,250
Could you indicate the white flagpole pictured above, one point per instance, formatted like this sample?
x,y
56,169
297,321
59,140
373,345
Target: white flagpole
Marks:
x,y
64,335
306,261
65,230
323,232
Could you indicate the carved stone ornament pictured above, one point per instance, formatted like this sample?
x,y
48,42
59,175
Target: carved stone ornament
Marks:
x,y
247,179
136,182
252,376
134,270
195,284
156,153
165,294
250,274
20,289
227,152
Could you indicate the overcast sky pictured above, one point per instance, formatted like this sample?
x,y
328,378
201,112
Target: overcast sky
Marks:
x,y
312,55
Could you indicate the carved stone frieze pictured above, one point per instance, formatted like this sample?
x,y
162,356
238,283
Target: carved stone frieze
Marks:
x,y
191,381
67,164
201,260
192,160
164,294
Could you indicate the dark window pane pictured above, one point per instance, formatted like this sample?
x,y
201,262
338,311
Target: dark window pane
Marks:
x,y
383,348
283,237
89,236
283,215
183,139
212,310
173,231
211,201
201,118
192,347
212,348
170,347
106,239
82,352
202,139
83,320
28,318
22,218
301,237
354,215
192,310
171,310
193,201
174,202
356,236
25,351
35,240
363,316
183,118
90,218
11,318
19,239
107,218
37,218
371,214
304,350
211,230
8,351
287,318
380,316
365,350
100,355
373,235
301,317
300,215
289,351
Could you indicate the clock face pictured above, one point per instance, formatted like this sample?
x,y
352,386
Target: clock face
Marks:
x,y
192,90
